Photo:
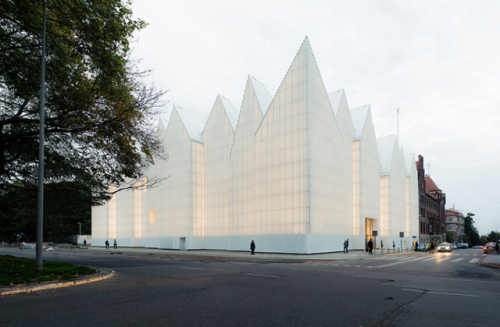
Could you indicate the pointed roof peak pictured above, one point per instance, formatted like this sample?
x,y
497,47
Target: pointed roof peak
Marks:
x,y
359,116
231,111
261,93
191,121
386,147
335,99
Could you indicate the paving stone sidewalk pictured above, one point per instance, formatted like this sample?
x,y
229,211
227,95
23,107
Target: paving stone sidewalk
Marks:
x,y
492,260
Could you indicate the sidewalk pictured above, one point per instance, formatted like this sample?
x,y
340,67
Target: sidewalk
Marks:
x,y
236,255
491,260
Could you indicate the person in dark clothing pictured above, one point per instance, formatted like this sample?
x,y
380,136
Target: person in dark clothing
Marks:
x,y
370,247
416,245
84,242
432,247
497,248
252,247
107,244
115,245
345,246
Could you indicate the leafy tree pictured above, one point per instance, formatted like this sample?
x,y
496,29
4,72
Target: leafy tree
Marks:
x,y
62,213
450,237
470,230
492,236
99,111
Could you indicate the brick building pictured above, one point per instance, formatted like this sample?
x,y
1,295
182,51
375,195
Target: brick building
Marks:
x,y
432,201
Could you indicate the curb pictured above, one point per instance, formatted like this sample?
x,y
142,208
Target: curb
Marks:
x,y
487,265
84,280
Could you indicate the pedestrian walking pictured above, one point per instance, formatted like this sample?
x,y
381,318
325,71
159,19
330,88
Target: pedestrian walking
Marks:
x,y
370,247
115,245
497,248
393,247
416,245
382,245
252,247
84,242
345,246
432,247
107,244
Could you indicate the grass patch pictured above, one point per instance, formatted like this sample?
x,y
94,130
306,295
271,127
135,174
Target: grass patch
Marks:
x,y
15,270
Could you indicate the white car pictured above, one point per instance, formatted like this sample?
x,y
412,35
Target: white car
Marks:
x,y
444,247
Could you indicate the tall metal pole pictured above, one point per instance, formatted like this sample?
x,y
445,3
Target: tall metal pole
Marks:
x,y
41,155
397,109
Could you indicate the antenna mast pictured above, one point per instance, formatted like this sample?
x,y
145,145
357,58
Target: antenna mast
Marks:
x,y
397,109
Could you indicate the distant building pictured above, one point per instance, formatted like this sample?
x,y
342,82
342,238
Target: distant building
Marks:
x,y
455,222
432,203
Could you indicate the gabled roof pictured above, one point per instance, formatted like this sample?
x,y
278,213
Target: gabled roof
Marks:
x,y
232,113
358,116
160,131
261,93
193,124
409,160
335,98
386,146
430,185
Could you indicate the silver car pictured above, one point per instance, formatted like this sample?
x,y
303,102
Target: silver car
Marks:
x,y
444,247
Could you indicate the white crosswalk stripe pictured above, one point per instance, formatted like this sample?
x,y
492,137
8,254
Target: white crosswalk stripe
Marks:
x,y
475,260
457,260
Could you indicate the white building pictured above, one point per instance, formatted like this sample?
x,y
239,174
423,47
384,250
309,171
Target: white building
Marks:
x,y
298,173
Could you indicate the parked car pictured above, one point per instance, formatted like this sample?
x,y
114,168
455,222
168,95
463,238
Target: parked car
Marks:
x,y
454,247
444,247
478,247
463,245
420,247
489,247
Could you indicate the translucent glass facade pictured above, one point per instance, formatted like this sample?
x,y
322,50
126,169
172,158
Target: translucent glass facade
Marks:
x,y
218,136
242,164
412,200
298,173
366,176
392,190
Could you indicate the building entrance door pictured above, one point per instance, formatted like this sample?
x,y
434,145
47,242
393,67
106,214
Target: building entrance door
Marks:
x,y
369,225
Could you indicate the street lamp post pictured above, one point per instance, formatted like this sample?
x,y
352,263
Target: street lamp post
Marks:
x,y
41,154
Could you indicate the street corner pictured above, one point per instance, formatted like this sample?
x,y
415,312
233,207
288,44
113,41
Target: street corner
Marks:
x,y
102,274
491,261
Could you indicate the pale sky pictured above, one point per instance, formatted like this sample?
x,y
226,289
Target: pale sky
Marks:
x,y
439,61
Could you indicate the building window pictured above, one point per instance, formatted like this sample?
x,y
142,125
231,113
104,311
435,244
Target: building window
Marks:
x,y
152,216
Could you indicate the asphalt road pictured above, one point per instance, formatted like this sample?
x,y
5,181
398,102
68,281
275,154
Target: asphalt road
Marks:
x,y
415,289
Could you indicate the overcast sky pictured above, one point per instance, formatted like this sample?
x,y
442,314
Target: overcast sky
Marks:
x,y
439,61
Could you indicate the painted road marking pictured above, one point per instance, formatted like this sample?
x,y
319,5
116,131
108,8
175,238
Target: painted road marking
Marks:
x,y
457,260
263,275
192,268
443,293
369,266
428,259
476,260
356,266
444,259
394,263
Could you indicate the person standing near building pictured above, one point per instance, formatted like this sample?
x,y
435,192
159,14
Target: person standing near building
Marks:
x,y
252,247
393,247
382,245
370,247
432,247
84,242
416,245
107,244
115,245
345,246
